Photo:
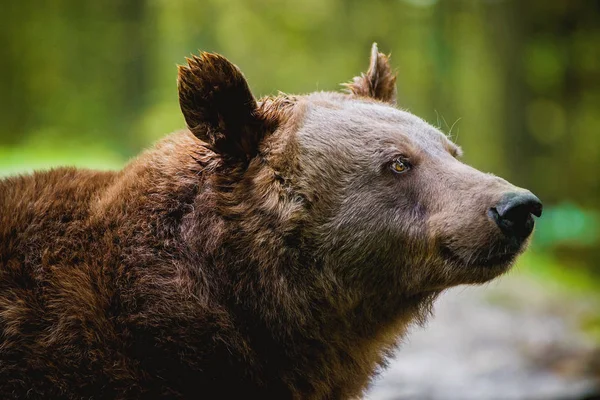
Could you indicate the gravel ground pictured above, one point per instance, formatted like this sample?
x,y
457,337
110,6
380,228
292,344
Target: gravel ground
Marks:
x,y
514,338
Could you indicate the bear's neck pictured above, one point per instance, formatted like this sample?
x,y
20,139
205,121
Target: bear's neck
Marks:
x,y
306,327
322,341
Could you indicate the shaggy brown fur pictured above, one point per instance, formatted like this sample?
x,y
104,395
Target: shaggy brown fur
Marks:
x,y
269,251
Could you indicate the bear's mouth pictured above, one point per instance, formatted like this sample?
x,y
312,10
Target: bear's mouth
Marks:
x,y
488,259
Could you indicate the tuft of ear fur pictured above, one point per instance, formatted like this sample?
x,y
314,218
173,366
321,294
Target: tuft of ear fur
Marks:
x,y
218,106
379,82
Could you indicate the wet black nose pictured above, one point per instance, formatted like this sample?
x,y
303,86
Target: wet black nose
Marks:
x,y
513,213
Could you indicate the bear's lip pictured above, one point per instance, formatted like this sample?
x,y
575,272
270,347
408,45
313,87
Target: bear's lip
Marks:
x,y
494,260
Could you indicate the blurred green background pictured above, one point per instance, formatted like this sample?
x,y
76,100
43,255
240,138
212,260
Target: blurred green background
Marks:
x,y
517,83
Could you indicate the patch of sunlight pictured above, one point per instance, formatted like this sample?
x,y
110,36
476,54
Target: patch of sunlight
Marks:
x,y
577,284
20,160
578,281
421,3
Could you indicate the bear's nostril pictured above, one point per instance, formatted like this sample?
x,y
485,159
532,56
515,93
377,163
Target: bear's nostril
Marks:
x,y
513,213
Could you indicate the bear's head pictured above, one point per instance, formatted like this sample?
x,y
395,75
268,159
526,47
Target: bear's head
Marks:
x,y
372,196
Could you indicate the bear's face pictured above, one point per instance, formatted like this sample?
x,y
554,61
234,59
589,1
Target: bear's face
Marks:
x,y
395,203
376,194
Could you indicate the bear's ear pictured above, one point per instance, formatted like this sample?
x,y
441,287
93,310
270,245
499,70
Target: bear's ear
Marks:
x,y
379,82
218,106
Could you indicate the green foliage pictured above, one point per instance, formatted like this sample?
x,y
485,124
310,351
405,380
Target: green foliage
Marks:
x,y
570,225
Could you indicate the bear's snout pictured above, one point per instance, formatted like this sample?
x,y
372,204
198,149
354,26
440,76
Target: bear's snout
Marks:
x,y
513,214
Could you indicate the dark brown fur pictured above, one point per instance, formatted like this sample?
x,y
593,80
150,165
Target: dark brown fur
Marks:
x,y
239,258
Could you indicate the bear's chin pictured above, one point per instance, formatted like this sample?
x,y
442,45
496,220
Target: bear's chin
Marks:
x,y
476,268
495,261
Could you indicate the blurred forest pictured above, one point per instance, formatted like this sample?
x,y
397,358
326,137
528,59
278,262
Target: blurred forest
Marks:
x,y
516,82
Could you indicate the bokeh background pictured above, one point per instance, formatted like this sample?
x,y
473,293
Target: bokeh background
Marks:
x,y
515,83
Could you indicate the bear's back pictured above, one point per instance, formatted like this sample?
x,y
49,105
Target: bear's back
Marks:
x,y
39,207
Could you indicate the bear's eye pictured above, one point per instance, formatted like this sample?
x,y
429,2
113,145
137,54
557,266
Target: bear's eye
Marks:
x,y
399,166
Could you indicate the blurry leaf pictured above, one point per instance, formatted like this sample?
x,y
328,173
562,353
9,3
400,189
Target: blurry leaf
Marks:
x,y
567,223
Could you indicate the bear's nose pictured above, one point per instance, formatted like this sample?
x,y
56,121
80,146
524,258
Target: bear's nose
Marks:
x,y
513,213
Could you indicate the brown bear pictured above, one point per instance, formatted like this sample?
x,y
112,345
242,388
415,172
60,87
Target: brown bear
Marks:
x,y
274,249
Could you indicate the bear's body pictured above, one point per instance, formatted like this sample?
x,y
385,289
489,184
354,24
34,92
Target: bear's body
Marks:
x,y
246,257
104,294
